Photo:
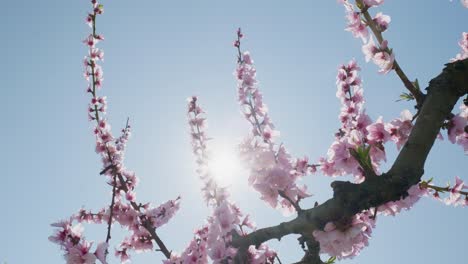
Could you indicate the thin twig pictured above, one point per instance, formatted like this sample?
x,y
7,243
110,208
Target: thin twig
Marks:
x,y
123,186
294,204
417,94
111,208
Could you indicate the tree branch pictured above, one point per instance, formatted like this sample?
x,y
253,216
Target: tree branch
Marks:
x,y
417,94
312,253
407,170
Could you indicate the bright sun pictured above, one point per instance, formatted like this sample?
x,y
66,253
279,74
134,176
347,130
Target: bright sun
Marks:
x,y
225,165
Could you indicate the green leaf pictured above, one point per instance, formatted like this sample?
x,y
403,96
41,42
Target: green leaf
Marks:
x,y
406,97
331,260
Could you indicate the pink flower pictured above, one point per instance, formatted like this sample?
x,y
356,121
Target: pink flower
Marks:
x,y
272,168
382,21
347,241
456,127
130,196
463,43
80,254
400,128
384,61
195,252
89,20
369,49
123,255
356,26
415,192
379,56
101,252
90,41
377,132
464,3
163,213
261,255
270,134
455,197
371,3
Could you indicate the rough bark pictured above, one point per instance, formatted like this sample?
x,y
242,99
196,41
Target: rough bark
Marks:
x,y
349,198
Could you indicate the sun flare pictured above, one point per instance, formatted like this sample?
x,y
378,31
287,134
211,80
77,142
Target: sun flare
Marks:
x,y
225,165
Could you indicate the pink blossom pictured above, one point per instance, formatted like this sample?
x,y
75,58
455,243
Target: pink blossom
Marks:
x,y
163,213
226,217
455,197
379,55
464,3
415,192
400,128
101,252
369,49
382,21
90,41
272,168
354,121
123,255
377,132
261,255
458,128
79,254
384,61
195,252
371,3
463,43
346,241
89,20
211,191
355,24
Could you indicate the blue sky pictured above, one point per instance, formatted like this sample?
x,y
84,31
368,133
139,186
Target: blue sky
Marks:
x,y
160,52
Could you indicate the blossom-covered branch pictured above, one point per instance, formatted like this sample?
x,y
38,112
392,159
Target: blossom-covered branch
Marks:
x,y
273,172
226,220
141,220
400,183
381,54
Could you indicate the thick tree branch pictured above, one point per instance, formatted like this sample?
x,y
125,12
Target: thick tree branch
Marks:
x,y
349,198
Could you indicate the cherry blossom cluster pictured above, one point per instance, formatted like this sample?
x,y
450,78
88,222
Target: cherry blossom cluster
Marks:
x,y
261,255
195,252
358,23
84,216
141,220
392,208
346,240
357,129
354,122
457,128
212,193
137,222
463,43
77,249
457,194
274,173
226,217
457,197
